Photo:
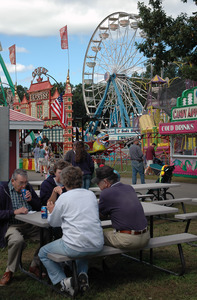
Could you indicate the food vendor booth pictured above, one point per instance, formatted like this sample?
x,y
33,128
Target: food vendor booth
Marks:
x,y
183,134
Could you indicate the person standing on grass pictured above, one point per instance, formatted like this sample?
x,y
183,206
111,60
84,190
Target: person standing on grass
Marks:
x,y
150,154
76,211
120,202
137,161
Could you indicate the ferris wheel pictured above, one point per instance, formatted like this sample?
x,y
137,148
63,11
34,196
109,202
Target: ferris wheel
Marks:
x,y
112,65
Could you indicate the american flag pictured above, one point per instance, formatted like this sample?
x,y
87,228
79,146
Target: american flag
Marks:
x,y
59,109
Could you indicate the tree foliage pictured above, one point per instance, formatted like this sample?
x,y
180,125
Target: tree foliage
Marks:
x,y
21,91
60,87
78,104
79,110
168,40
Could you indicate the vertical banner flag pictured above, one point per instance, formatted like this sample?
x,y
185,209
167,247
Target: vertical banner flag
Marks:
x,y
59,109
12,50
64,37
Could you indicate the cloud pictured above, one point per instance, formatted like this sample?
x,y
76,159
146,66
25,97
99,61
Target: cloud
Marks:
x,y
46,17
19,67
21,50
18,49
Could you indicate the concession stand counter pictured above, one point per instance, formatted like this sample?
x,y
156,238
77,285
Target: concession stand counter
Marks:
x,y
183,134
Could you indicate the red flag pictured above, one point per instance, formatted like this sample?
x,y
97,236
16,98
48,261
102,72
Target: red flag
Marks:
x,y
64,37
59,109
12,55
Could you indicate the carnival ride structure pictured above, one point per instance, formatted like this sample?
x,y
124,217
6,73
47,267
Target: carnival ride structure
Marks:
x,y
9,80
112,66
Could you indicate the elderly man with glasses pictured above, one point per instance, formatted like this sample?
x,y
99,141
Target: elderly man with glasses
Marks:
x,y
12,231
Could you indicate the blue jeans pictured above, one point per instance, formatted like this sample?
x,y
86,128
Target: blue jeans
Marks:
x,y
86,181
137,167
56,270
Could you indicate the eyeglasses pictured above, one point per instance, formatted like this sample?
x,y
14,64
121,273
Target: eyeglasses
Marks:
x,y
22,182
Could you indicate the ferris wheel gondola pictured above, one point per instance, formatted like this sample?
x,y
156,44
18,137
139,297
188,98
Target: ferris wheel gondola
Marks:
x,y
112,68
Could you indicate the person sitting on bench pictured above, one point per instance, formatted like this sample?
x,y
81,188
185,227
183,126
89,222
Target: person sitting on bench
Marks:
x,y
13,233
76,211
120,202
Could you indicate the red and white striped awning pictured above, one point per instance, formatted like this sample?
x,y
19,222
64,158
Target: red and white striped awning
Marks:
x,y
19,120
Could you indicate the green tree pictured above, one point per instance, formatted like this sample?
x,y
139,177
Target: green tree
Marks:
x,y
168,40
21,91
79,110
60,87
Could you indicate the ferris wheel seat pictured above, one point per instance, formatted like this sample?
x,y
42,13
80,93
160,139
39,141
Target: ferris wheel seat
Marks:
x,y
91,64
96,49
88,81
134,25
104,35
113,26
124,23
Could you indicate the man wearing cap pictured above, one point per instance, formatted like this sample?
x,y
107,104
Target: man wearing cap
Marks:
x,y
137,162
120,202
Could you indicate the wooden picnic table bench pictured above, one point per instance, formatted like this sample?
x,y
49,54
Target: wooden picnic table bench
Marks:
x,y
162,241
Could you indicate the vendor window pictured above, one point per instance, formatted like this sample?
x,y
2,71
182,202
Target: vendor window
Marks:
x,y
184,145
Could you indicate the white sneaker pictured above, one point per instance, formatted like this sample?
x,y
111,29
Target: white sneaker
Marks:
x,y
83,282
66,284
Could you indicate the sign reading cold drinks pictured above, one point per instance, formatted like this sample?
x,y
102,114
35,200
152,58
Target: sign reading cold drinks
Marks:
x,y
178,127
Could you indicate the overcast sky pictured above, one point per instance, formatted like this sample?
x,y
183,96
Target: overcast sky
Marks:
x,y
34,27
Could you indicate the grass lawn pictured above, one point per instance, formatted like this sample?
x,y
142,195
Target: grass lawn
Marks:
x,y
124,279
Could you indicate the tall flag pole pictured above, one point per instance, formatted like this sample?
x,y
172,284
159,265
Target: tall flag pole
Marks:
x,y
59,110
64,41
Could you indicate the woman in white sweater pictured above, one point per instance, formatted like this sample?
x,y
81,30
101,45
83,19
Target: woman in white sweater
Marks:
x,y
76,211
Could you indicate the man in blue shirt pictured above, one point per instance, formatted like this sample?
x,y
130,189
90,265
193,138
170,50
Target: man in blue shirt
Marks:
x,y
120,202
